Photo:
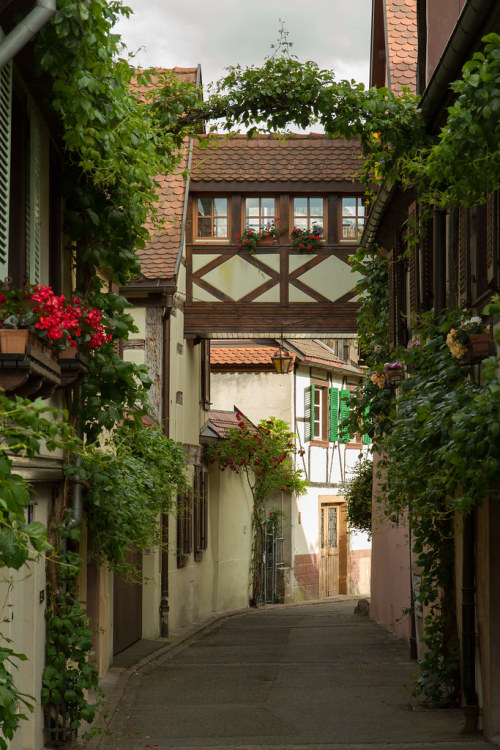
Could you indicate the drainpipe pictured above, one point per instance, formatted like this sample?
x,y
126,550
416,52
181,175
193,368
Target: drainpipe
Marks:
x,y
164,601
77,505
26,29
471,709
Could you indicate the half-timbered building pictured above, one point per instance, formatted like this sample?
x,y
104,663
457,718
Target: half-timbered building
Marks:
x,y
301,182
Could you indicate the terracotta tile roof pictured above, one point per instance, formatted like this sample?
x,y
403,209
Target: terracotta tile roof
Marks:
x,y
159,257
242,357
264,158
222,421
314,351
401,19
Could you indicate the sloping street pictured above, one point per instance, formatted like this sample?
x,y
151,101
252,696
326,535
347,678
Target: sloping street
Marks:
x,y
308,676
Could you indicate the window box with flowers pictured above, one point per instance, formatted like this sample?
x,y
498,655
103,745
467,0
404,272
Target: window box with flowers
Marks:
x,y
268,234
307,239
41,338
470,342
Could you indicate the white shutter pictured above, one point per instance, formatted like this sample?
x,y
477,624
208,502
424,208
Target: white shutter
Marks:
x,y
34,211
5,132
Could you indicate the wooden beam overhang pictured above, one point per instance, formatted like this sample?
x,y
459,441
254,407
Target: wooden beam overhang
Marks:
x,y
275,186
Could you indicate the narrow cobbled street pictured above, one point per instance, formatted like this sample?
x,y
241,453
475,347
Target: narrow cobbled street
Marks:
x,y
309,676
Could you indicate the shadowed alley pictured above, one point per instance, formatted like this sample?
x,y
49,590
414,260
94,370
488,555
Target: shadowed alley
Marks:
x,y
309,676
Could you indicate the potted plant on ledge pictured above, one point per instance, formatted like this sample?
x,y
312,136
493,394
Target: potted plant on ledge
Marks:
x,y
41,338
470,342
307,239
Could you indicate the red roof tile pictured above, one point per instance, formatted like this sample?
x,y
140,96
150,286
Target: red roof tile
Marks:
x,y
264,158
314,350
159,257
242,357
401,20
222,421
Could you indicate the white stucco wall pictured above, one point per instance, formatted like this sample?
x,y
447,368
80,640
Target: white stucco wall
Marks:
x,y
257,394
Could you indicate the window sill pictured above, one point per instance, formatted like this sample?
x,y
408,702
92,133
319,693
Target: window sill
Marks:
x,y
212,241
320,443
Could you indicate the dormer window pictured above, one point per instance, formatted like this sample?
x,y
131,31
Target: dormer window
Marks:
x,y
352,218
308,212
259,213
212,218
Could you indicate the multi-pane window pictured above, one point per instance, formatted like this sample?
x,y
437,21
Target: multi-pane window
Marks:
x,y
318,416
352,218
212,218
259,213
308,212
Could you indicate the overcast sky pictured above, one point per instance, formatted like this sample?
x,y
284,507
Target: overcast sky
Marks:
x,y
333,33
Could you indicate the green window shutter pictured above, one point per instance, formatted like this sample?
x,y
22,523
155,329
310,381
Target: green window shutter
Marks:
x,y
366,438
345,400
334,414
34,212
5,136
308,413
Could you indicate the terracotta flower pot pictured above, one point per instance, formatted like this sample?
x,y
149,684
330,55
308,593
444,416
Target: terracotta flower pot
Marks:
x,y
14,340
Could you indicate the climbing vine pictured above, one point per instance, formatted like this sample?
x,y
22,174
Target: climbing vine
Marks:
x,y
132,479
357,492
263,454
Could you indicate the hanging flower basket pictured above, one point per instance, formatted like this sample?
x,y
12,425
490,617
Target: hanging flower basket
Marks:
x,y
478,346
27,368
394,374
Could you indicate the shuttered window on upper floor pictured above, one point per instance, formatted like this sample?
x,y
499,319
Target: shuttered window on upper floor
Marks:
x,y
5,150
326,415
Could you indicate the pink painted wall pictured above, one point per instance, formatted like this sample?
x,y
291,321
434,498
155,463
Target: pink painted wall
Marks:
x,y
390,576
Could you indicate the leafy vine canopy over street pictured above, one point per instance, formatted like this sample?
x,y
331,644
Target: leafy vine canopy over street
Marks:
x,y
115,142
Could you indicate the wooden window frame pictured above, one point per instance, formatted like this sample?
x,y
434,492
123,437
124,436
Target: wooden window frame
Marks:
x,y
309,217
200,512
212,239
349,240
322,389
184,527
262,220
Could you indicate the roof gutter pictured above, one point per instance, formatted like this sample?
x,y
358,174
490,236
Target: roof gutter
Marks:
x,y
451,61
186,194
26,29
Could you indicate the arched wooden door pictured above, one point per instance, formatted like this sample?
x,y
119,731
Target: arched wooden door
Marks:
x,y
332,547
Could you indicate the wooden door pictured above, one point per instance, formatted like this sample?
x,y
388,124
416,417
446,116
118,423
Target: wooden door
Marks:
x,y
333,549
127,607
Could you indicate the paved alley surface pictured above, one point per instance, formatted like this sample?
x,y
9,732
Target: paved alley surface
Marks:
x,y
310,676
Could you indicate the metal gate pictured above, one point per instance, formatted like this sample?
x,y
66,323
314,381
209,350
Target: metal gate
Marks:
x,y
273,557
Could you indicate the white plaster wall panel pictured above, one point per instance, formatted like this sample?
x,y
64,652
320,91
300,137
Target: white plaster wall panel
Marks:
x,y
236,278
273,261
272,295
139,316
201,295
332,278
297,261
258,395
297,295
200,261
